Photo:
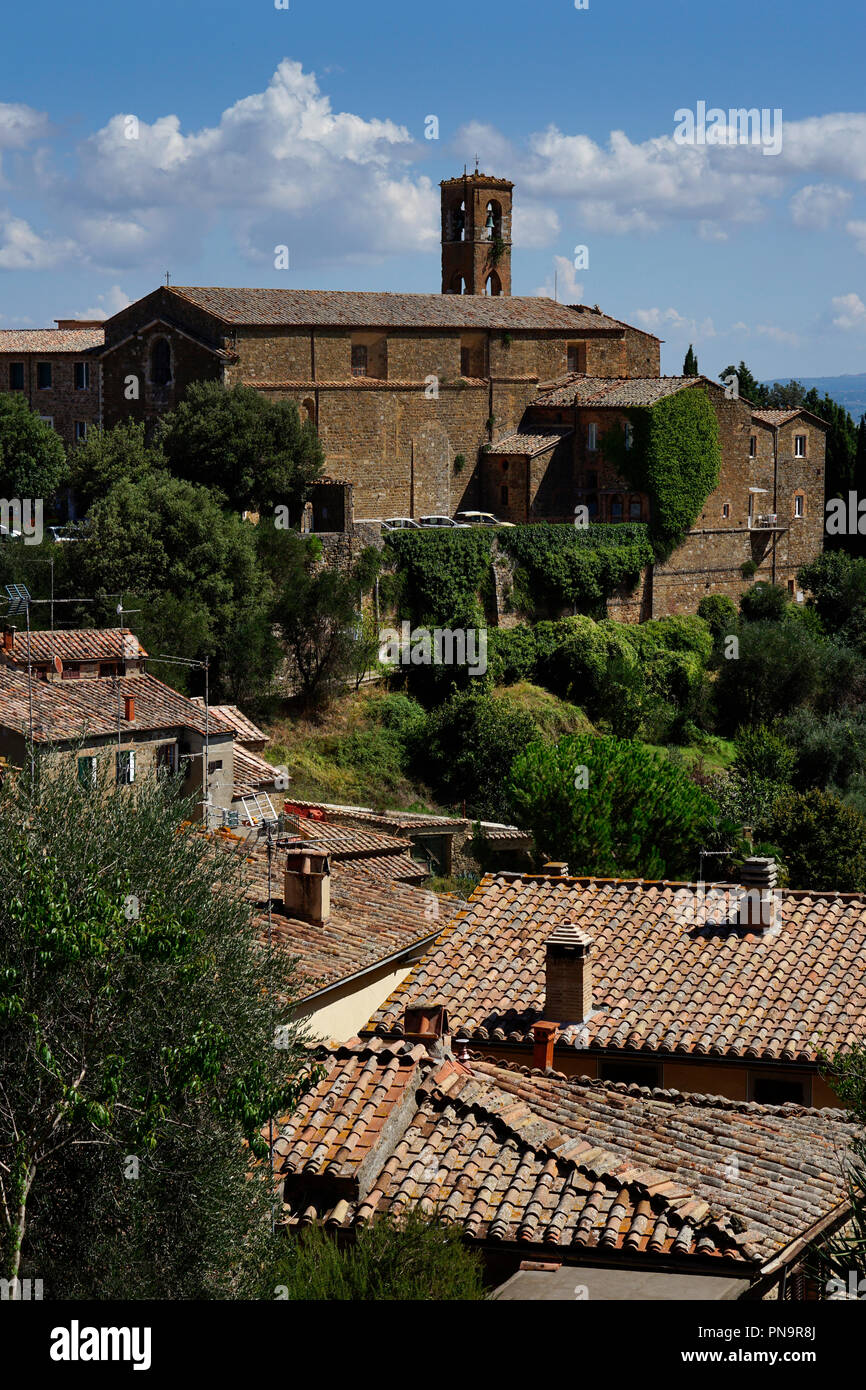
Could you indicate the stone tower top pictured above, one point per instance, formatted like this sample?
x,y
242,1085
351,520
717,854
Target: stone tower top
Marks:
x,y
476,234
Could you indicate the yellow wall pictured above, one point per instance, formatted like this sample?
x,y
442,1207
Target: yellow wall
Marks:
x,y
346,1009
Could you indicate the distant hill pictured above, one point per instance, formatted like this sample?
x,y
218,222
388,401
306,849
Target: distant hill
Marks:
x,y
848,391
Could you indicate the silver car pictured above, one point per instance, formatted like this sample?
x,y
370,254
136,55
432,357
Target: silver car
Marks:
x,y
399,523
439,521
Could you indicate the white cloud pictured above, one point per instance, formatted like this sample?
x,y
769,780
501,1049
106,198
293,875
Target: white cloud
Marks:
x,y
111,302
20,125
563,284
21,248
777,334
858,231
850,311
534,226
818,204
670,322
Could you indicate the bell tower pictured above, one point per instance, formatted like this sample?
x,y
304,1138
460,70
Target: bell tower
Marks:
x,y
476,234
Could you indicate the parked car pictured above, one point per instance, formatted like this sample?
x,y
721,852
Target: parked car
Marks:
x,y
72,532
480,519
9,534
439,521
399,523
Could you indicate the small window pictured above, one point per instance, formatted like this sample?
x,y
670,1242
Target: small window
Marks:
x,y
166,760
503,496
799,504
753,446
576,357
80,428
634,509
592,478
592,436
16,376
43,376
215,766
616,509
464,362
505,465
82,376
87,774
632,1073
799,446
628,431
47,420
771,1090
726,509
359,360
751,504
125,767
160,362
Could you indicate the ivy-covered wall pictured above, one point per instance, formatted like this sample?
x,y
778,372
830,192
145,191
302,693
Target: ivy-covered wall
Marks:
x,y
675,459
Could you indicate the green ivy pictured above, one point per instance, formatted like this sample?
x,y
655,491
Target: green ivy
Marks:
x,y
443,572
675,459
580,566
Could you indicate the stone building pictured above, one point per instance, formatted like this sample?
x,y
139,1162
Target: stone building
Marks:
x,y
57,370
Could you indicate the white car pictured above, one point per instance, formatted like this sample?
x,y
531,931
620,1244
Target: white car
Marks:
x,y
439,521
399,523
480,519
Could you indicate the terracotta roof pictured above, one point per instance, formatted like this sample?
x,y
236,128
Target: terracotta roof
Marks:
x,y
67,710
245,730
369,920
396,868
352,841
389,1127
660,985
615,392
80,644
372,309
394,821
773,1169
51,340
781,417
528,443
251,772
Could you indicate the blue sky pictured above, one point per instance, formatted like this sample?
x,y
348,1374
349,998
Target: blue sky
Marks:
x,y
305,127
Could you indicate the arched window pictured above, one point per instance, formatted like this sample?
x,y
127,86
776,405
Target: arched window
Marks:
x,y
458,284
494,284
493,221
160,362
309,408
458,222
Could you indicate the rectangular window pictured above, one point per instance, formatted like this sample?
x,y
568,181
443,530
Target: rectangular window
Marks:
x,y
87,772
47,420
166,760
43,376
465,356
628,430
726,509
751,504
80,428
82,376
215,766
503,497
632,1073
771,1090
753,446
359,360
798,504
634,509
16,376
592,436
125,767
799,446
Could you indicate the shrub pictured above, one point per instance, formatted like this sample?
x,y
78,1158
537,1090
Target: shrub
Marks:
x,y
764,603
416,1258
471,741
772,675
823,841
511,654
763,753
577,566
719,613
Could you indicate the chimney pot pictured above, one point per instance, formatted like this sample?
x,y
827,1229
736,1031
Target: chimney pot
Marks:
x,y
8,639
425,1022
557,868
543,1043
129,708
307,885
568,974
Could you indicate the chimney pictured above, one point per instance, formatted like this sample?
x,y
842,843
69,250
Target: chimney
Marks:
x,y
543,1042
8,639
758,907
129,708
426,1023
557,868
568,974
307,885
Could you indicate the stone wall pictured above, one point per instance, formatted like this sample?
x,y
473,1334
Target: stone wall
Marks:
x,y
61,403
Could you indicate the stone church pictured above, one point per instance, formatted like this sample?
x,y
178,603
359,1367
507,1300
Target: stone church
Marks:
x,y
473,397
